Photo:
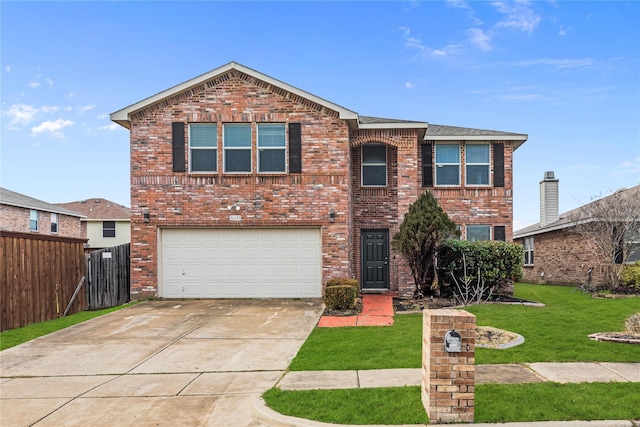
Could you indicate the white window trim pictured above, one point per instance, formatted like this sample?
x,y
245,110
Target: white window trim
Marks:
x,y
37,219
56,222
224,150
285,149
529,247
436,164
385,164
203,148
488,164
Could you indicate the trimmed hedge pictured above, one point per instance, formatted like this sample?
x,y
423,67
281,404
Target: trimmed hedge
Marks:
x,y
343,281
500,263
631,275
340,297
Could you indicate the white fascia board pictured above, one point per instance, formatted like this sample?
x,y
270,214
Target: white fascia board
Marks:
x,y
122,116
414,125
522,138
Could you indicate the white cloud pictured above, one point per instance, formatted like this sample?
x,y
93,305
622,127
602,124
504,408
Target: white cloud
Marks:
x,y
480,38
628,167
564,31
111,127
54,128
409,85
102,116
34,84
49,108
458,4
86,108
7,68
20,114
48,80
518,15
405,31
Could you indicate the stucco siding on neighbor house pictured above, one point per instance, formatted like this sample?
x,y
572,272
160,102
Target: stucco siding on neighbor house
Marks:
x,y
95,231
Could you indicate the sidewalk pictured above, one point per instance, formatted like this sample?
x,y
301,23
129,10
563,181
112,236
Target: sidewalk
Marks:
x,y
377,310
500,374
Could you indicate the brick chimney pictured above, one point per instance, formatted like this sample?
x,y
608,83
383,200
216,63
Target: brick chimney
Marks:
x,y
549,199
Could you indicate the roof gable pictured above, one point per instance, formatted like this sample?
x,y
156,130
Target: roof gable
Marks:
x,y
214,77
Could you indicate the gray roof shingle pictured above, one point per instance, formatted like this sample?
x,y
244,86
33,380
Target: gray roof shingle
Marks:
x,y
11,198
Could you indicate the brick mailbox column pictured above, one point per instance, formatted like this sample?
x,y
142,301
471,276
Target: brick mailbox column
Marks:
x,y
448,377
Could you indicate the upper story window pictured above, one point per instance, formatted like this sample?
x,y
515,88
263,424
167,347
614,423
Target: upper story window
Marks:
x,y
477,164
203,148
54,222
33,220
447,164
528,251
374,165
108,229
237,147
478,232
271,148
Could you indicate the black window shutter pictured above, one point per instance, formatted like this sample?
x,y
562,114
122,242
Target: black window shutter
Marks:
x,y
177,142
499,232
295,148
498,165
427,165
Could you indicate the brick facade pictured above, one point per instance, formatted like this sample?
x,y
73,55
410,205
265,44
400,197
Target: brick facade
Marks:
x,y
562,257
329,181
14,218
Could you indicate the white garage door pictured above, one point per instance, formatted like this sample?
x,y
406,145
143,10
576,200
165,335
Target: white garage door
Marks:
x,y
240,263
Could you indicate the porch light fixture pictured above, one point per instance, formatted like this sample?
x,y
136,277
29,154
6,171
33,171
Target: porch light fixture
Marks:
x,y
332,216
145,215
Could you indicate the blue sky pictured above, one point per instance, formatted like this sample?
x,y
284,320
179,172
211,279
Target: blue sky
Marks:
x,y
567,73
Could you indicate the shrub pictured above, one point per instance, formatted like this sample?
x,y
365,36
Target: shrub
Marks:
x,y
633,324
343,281
499,263
340,297
631,275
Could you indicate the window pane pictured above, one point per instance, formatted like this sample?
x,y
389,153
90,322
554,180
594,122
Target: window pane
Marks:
x,y
374,153
448,175
237,135
447,153
478,175
374,175
203,135
237,160
33,220
478,232
477,153
204,160
108,229
271,135
271,161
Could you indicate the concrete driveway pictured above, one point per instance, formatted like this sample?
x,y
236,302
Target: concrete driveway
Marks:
x,y
159,363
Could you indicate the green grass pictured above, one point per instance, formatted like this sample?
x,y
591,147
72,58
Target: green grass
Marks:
x,y
493,403
14,337
557,332
401,405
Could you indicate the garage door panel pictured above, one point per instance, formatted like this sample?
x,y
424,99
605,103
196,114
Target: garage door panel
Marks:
x,y
240,263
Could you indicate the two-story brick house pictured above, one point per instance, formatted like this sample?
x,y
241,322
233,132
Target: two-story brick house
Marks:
x,y
245,186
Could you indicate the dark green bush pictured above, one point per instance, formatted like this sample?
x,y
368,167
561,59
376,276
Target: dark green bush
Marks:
x,y
340,297
343,281
631,275
500,263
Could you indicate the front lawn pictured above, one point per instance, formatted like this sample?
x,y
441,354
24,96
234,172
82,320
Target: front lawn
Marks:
x,y
557,332
493,403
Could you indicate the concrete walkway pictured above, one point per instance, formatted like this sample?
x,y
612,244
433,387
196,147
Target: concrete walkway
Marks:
x,y
377,310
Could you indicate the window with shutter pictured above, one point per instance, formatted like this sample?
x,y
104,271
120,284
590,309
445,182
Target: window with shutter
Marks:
x,y
498,165
427,165
177,143
295,148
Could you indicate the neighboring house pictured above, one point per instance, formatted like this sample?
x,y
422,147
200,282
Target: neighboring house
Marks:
x,y
107,223
245,186
25,214
554,252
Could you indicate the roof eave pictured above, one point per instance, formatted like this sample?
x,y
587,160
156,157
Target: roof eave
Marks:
x,y
408,125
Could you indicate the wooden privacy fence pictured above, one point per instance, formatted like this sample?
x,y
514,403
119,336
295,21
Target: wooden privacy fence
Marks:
x,y
108,283
38,276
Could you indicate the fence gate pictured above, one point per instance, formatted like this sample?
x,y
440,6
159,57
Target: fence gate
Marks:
x,y
108,282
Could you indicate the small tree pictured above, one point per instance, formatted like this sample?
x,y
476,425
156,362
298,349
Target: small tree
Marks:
x,y
424,226
609,225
